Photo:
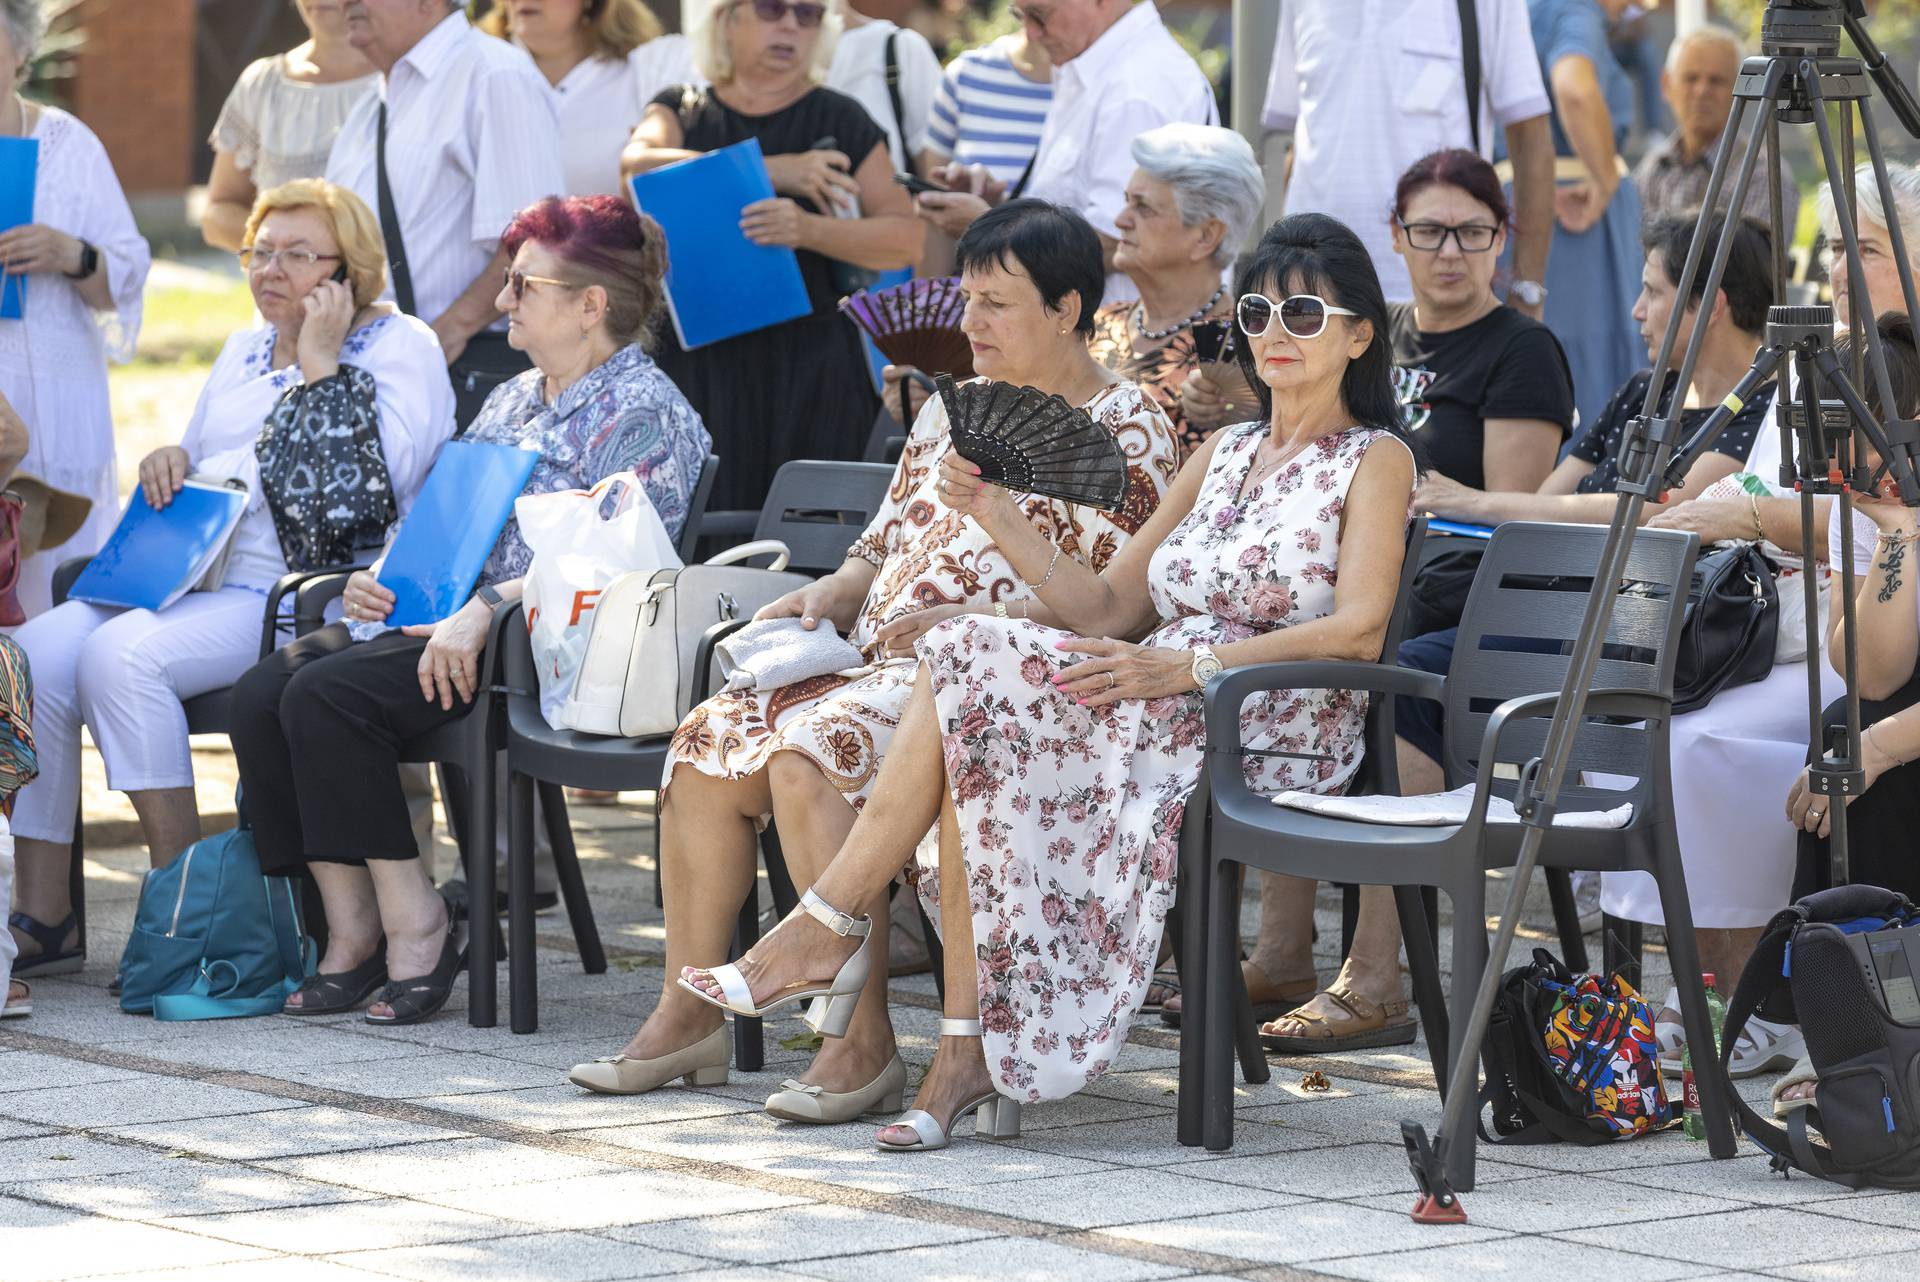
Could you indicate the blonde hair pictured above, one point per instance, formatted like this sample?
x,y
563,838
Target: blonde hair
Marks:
x,y
619,26
706,23
362,250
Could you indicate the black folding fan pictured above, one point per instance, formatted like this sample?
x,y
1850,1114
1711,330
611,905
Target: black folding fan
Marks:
x,y
1026,440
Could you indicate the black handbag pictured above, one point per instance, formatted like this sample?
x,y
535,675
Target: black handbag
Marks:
x,y
1732,620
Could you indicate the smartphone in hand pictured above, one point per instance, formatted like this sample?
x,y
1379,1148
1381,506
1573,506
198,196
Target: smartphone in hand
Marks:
x,y
917,185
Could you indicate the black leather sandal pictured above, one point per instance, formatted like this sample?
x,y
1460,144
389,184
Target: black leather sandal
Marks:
x,y
421,997
322,994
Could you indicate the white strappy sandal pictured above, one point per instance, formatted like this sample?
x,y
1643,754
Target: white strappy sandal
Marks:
x,y
994,1115
832,1004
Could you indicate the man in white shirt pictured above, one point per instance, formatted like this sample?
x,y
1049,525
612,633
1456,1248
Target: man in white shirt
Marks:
x,y
471,138
1370,86
1118,72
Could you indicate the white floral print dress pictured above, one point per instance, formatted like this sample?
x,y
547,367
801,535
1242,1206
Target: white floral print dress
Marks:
x,y
1070,816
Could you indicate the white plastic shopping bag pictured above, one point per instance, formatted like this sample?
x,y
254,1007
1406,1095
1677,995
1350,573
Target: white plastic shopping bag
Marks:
x,y
582,540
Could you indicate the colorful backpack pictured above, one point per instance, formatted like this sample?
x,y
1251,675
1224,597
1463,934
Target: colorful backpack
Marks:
x,y
1571,1058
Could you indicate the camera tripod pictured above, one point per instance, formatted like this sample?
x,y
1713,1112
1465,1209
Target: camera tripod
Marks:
x,y
1797,75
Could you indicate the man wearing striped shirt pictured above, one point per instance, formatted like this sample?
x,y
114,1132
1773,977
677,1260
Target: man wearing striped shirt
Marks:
x,y
991,107
1118,72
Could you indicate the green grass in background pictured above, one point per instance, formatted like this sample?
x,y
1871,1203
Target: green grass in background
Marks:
x,y
186,323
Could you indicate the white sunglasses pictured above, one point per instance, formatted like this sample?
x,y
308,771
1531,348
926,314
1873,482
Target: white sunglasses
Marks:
x,y
1301,315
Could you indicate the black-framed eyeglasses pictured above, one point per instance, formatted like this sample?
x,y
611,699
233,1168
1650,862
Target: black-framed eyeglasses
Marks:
x,y
517,281
1472,238
258,260
805,12
1301,315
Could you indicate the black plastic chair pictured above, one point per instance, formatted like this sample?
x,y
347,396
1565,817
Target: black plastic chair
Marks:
x,y
288,609
1525,608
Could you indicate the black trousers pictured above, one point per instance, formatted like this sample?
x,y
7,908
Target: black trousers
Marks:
x,y
317,729
1883,823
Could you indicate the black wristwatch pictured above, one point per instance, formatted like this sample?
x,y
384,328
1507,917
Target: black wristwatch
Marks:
x,y
490,595
89,262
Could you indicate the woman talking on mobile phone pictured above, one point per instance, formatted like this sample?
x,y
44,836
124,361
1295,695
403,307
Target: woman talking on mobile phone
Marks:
x,y
327,359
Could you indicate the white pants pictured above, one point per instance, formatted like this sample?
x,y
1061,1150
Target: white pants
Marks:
x,y
8,949
124,673
1733,762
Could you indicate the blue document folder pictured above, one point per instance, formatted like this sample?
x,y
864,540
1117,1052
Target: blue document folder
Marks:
x,y
719,283
444,542
19,162
1437,526
154,558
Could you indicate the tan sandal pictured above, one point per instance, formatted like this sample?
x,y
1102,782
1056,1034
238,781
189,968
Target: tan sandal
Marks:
x,y
1362,1025
1273,999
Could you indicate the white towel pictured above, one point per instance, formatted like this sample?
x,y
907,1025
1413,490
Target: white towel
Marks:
x,y
1437,809
778,652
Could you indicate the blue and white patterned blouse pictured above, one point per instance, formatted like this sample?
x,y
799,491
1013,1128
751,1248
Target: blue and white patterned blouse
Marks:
x,y
624,415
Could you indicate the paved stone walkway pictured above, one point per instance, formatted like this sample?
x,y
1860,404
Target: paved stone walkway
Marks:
x,y
276,1150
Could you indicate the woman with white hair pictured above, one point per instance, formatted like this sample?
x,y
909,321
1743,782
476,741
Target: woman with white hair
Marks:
x,y
71,303
1189,207
835,201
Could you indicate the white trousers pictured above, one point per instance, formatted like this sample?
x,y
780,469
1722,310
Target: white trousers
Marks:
x,y
8,949
123,673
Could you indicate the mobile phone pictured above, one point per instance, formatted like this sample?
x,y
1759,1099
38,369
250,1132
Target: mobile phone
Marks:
x,y
1213,341
917,185
339,274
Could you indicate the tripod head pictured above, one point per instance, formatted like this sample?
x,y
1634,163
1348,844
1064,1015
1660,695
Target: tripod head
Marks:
x,y
1811,29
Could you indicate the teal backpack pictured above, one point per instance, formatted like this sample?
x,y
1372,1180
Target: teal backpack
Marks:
x,y
213,938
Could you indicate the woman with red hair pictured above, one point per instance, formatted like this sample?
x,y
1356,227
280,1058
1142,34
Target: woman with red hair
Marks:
x,y
317,726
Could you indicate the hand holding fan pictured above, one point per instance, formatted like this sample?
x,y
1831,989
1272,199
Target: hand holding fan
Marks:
x,y
1024,439
916,324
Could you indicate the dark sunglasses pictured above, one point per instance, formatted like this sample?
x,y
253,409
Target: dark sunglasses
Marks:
x,y
1301,315
517,281
805,12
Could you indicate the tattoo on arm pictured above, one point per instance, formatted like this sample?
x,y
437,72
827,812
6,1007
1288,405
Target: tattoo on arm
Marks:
x,y
1891,565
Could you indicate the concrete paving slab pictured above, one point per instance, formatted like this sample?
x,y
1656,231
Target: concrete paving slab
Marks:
x,y
292,1132
332,1229
431,1073
437,1166
967,1163
1153,1141
793,1234
732,1138
601,1202
1524,1259
1100,1198
1351,1170
551,1257
1301,1230
1743,1179
1002,1259
182,1187
271,1269
1762,1240
567,1107
64,1156
146,1099
29,1070
1855,1269
1549,1203
53,1244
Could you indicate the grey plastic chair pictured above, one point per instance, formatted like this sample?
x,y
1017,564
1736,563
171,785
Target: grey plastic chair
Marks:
x,y
817,509
1524,611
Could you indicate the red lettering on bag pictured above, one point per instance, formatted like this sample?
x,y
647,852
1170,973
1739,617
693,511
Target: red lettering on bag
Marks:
x,y
582,602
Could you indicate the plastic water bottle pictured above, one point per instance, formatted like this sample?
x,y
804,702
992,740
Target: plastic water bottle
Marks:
x,y
1692,1121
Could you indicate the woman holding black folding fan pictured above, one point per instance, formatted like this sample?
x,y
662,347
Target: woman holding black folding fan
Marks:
x,y
1057,760
807,753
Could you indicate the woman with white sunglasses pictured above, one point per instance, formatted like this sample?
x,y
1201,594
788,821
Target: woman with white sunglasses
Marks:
x,y
1057,761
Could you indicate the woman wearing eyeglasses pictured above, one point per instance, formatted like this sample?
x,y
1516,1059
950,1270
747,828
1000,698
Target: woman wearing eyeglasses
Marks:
x,y
801,389
1057,760
322,719
328,360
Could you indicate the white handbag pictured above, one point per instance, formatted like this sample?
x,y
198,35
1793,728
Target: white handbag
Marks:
x,y
637,678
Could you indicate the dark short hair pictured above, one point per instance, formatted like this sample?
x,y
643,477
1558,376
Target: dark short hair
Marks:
x,y
1454,167
1748,282
604,241
1057,249
1903,366
1315,254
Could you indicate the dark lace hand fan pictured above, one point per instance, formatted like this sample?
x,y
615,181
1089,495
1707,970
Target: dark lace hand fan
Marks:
x,y
918,324
1026,440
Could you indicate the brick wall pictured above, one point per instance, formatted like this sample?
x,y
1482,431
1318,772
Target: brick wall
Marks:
x,y
133,86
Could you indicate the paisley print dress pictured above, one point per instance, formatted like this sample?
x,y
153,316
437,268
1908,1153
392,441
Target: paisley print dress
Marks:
x,y
924,555
1070,816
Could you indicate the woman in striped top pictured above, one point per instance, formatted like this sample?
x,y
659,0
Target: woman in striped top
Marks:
x,y
991,107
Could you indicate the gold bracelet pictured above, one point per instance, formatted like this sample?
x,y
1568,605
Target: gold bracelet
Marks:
x,y
1049,574
1759,530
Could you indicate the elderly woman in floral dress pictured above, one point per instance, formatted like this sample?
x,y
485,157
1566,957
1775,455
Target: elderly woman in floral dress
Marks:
x,y
1058,758
808,753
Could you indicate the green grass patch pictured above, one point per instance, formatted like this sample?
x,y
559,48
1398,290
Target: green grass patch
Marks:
x,y
189,324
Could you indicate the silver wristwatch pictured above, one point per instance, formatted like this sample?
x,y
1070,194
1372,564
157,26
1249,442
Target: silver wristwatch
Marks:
x,y
1530,292
1206,665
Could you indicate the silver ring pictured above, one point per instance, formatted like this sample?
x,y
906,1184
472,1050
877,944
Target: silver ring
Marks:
x,y
1816,814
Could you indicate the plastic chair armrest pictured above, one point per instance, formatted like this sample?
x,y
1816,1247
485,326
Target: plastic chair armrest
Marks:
x,y
1638,704
703,656
312,591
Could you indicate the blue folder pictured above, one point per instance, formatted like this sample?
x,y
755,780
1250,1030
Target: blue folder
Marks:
x,y
444,542
1437,526
19,162
154,558
719,283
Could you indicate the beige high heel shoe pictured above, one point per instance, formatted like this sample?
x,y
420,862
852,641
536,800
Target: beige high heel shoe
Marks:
x,y
994,1115
702,1064
832,1012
